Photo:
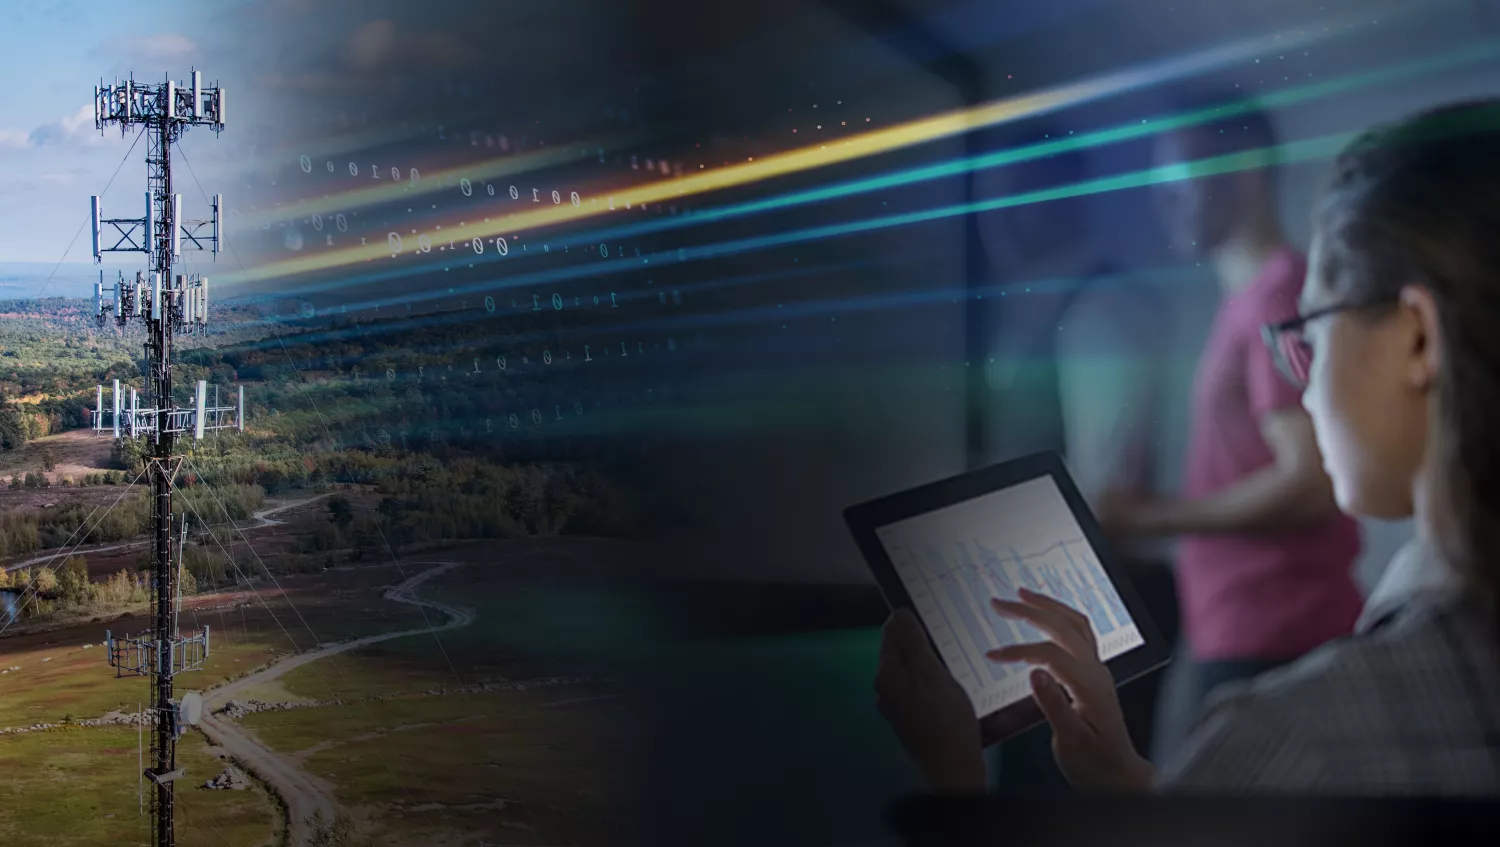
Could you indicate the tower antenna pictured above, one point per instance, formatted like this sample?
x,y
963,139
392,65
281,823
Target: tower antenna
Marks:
x,y
167,304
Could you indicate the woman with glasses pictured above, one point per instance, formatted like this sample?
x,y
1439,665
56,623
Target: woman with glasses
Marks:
x,y
1397,349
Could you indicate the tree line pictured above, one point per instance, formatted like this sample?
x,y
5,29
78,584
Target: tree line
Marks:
x,y
45,592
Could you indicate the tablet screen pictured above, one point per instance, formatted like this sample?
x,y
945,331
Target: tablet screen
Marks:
x,y
953,560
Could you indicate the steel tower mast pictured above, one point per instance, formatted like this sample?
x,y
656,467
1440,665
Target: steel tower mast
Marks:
x,y
167,305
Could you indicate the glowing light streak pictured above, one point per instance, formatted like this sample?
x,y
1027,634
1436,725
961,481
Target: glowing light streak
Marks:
x,y
1311,149
873,142
389,190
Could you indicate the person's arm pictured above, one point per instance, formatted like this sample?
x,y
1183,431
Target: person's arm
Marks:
x,y
1291,493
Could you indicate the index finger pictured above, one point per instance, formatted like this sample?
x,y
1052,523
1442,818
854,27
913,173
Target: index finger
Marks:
x,y
1076,618
1057,627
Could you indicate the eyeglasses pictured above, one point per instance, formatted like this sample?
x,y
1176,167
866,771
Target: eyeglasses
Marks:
x,y
1288,342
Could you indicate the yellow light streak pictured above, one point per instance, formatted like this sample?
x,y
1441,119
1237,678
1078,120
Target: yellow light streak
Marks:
x,y
868,143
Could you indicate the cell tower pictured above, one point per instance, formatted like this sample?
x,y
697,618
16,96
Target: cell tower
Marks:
x,y
168,305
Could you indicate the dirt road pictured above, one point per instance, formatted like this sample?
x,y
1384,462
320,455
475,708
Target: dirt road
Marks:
x,y
303,793
260,519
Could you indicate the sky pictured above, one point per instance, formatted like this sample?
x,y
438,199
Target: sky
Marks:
x,y
274,57
53,53
51,157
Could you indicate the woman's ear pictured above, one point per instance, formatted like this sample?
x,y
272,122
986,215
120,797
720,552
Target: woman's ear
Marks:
x,y
1419,314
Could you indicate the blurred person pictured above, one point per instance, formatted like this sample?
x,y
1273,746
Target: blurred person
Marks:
x,y
1396,348
1265,567
1073,365
1073,362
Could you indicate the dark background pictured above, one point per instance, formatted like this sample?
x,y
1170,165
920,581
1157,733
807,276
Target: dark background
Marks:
x,y
820,373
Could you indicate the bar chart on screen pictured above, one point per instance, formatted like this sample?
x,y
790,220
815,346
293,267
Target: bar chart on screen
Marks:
x,y
953,561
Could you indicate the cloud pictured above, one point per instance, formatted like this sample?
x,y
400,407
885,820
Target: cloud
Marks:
x,y
78,126
75,128
153,53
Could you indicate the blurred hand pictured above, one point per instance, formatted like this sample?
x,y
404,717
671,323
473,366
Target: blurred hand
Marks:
x,y
930,712
1077,695
1122,512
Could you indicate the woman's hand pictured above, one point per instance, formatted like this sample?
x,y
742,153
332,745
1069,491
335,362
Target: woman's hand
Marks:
x,y
930,712
1077,694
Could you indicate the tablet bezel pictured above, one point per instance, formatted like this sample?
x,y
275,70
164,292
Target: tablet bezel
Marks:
x,y
864,519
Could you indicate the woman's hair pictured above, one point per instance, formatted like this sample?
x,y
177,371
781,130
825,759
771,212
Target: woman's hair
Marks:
x,y
1418,202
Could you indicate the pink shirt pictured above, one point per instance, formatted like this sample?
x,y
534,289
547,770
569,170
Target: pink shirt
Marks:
x,y
1265,595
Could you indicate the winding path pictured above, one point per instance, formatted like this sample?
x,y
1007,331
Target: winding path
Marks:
x,y
261,518
303,793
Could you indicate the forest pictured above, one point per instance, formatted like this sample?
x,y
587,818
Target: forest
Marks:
x,y
544,386
420,500
512,444
53,353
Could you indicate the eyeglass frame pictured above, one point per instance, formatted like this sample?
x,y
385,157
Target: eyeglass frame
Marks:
x,y
1271,333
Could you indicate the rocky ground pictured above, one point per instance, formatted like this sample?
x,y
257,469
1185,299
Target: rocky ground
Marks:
x,y
229,779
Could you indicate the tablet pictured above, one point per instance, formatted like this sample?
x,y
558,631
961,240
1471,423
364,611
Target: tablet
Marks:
x,y
945,549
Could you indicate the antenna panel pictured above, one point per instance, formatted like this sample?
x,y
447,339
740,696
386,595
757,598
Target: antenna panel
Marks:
x,y
94,212
202,395
150,238
177,225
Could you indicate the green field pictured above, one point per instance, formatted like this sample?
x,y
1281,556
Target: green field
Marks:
x,y
530,624
539,766
423,770
78,787
519,767
80,682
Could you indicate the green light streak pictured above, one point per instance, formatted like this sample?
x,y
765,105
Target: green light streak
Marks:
x,y
1290,97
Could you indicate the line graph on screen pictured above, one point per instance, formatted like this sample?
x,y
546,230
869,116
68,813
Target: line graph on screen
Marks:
x,y
954,561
